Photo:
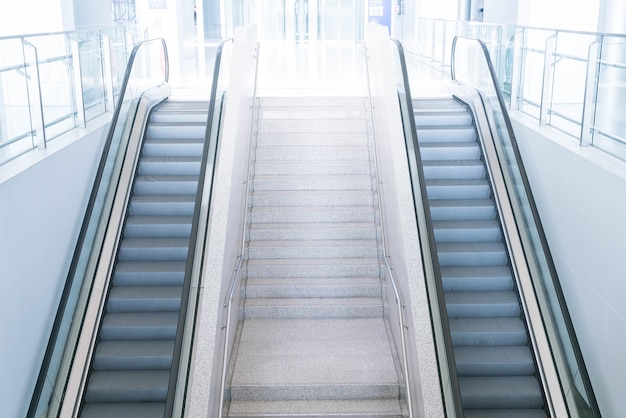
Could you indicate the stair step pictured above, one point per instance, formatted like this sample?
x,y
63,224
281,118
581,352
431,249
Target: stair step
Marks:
x,y
305,125
139,326
312,101
179,166
308,268
312,139
157,226
153,249
313,249
458,189
312,183
166,185
467,231
454,169
128,386
173,147
320,391
487,331
462,209
166,130
313,231
446,133
144,299
494,361
312,153
305,214
162,205
145,273
313,198
306,113
312,288
315,168
307,308
134,355
482,304
124,409
501,392
449,150
350,408
476,278
471,254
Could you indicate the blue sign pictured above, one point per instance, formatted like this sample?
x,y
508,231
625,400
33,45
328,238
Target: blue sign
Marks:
x,y
379,11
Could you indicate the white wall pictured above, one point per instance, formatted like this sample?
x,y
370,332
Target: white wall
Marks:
x,y
561,14
36,16
501,11
41,209
581,199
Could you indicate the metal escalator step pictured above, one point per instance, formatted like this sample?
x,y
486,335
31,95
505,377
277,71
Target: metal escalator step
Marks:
x,y
162,205
482,304
467,231
139,326
472,254
501,392
458,189
454,169
164,130
128,386
462,209
155,273
153,249
441,117
446,133
447,104
476,278
449,151
157,226
174,165
488,331
166,185
494,361
171,147
123,410
144,299
134,355
505,413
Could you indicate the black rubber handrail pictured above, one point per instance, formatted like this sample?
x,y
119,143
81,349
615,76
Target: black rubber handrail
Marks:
x,y
210,144
592,402
59,317
419,187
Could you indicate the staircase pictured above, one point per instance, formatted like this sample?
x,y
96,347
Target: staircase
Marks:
x,y
133,355
496,368
314,341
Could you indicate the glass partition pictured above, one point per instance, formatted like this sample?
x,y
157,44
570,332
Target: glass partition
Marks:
x,y
147,67
472,66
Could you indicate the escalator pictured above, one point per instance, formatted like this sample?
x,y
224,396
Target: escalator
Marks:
x,y
133,354
494,361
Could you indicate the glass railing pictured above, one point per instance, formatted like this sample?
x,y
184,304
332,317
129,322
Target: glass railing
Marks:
x,y
147,67
53,83
472,66
572,81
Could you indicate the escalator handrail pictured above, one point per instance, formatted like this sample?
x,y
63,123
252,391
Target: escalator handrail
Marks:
x,y
434,261
535,215
71,276
211,140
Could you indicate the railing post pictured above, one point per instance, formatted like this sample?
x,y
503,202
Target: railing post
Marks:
x,y
77,82
105,50
548,79
591,92
35,100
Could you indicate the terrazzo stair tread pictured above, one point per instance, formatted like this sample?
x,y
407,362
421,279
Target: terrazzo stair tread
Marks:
x,y
286,167
313,249
310,392
139,326
123,409
306,214
305,125
437,117
501,392
128,386
311,113
153,249
166,184
475,278
159,204
444,133
310,139
142,273
312,101
462,209
467,231
312,287
150,166
505,413
134,355
312,183
469,150
144,299
313,198
471,254
454,169
350,307
156,226
494,360
165,130
310,268
312,153
373,408
458,189
482,304
487,331
173,147
313,231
